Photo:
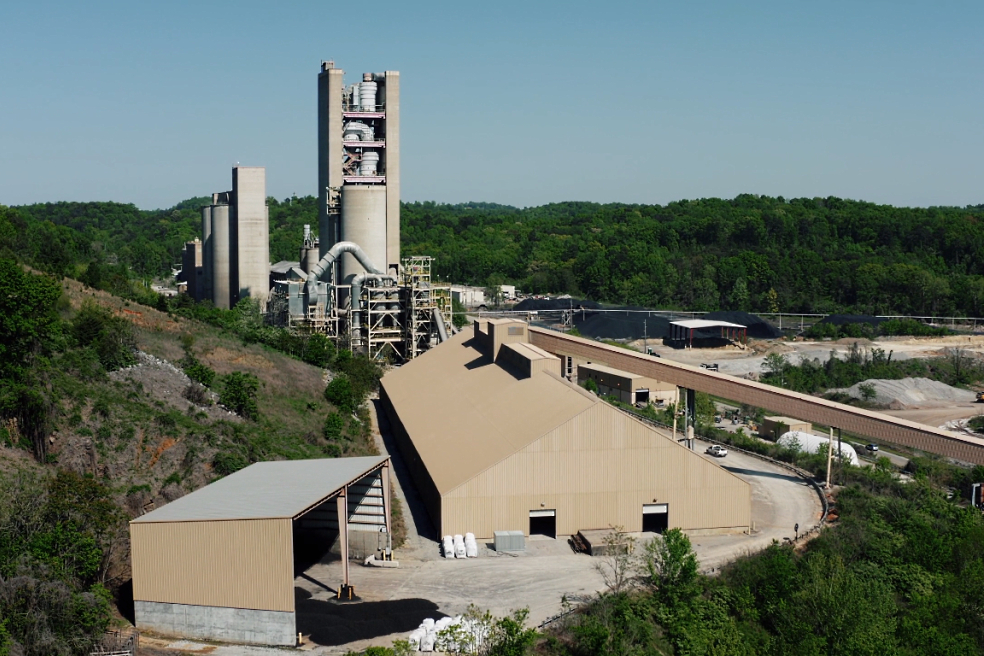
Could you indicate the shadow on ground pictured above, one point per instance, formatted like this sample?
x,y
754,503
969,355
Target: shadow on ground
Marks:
x,y
331,623
417,508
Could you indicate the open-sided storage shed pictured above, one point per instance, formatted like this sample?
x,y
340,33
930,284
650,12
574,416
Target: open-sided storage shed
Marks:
x,y
220,562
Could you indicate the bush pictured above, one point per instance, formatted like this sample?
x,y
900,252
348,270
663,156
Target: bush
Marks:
x,y
197,394
334,423
198,372
239,394
340,394
319,351
111,337
228,462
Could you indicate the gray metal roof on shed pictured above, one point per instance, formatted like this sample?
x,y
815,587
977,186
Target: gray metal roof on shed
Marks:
x,y
267,490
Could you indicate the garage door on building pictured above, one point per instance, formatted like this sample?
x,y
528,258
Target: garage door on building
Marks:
x,y
655,517
543,522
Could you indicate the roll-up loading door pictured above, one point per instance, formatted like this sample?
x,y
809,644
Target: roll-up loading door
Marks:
x,y
543,522
655,517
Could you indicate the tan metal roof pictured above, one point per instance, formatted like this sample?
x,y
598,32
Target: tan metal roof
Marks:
x,y
267,490
465,413
609,370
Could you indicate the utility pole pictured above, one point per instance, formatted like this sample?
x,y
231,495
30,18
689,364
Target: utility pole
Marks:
x,y
830,455
645,338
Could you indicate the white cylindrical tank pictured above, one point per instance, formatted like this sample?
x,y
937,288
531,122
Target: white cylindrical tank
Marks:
x,y
206,291
363,221
810,443
367,96
357,131
221,256
369,163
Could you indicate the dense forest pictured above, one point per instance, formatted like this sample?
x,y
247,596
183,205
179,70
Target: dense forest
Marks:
x,y
752,253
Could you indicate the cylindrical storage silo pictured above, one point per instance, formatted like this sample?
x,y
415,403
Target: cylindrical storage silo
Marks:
x,y
367,96
221,256
363,222
369,163
206,290
309,257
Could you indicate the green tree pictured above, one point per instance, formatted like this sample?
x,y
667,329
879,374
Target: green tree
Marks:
x,y
670,566
238,393
339,393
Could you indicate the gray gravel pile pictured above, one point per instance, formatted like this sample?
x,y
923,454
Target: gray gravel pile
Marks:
x,y
908,393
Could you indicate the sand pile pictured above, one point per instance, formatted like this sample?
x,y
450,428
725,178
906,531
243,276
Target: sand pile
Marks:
x,y
910,393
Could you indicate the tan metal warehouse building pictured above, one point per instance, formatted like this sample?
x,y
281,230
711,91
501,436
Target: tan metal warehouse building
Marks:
x,y
627,387
775,427
220,562
496,440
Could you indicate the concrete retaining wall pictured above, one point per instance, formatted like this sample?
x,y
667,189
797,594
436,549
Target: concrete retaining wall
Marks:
x,y
259,627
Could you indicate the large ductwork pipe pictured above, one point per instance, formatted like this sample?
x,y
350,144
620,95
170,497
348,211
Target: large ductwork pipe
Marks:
x,y
326,264
442,330
356,293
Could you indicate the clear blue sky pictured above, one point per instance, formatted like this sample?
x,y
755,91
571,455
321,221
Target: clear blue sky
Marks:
x,y
522,103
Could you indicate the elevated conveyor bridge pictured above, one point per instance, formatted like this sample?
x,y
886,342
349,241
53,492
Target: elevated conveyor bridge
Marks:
x,y
865,423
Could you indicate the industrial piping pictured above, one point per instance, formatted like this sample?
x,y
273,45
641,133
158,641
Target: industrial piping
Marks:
x,y
357,290
326,262
442,330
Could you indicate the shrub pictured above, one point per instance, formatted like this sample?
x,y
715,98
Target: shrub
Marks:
x,y
228,462
197,394
109,336
198,372
239,394
334,423
339,393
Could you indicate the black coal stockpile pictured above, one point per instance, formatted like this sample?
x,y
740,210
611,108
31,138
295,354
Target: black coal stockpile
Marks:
x,y
844,319
547,304
757,326
615,324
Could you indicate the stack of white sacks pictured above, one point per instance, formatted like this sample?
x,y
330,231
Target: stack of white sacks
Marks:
x,y
432,636
460,547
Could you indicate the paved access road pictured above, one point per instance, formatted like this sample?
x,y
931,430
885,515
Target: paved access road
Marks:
x,y
780,500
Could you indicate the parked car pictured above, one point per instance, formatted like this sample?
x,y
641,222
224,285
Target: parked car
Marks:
x,y
717,419
872,447
717,451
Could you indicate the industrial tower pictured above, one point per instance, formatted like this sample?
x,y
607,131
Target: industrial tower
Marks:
x,y
351,284
359,168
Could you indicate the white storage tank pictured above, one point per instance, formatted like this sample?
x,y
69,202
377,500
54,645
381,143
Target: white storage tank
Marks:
x,y
810,443
363,221
367,96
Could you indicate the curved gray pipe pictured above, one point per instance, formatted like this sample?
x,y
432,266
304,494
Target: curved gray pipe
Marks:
x,y
325,264
442,330
356,292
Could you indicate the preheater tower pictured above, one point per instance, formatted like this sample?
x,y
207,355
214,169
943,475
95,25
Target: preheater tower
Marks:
x,y
359,167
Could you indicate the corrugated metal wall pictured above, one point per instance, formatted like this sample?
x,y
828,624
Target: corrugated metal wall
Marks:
x,y
239,564
598,470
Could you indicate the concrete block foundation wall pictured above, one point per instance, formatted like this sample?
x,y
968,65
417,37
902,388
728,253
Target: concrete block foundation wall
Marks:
x,y
258,627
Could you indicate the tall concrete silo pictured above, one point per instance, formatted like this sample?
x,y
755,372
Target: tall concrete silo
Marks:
x,y
363,220
251,236
206,287
221,256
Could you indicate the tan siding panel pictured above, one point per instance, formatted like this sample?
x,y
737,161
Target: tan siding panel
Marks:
x,y
238,564
598,470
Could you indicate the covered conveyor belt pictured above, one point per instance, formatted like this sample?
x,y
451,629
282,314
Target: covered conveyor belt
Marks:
x,y
866,423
